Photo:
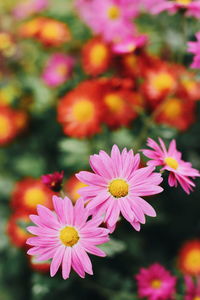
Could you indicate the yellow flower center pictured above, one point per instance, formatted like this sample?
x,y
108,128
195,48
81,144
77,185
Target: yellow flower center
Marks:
x,y
98,54
61,69
172,108
156,283
114,102
183,2
118,188
34,196
189,85
113,12
171,162
83,111
69,236
50,31
4,127
163,81
192,261
196,298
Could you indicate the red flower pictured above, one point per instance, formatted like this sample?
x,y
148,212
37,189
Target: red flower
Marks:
x,y
189,258
96,56
30,192
8,129
80,111
16,229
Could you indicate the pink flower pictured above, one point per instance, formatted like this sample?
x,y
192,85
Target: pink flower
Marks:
x,y
28,7
180,171
129,44
66,236
194,47
58,69
192,288
53,181
117,185
192,7
156,283
110,18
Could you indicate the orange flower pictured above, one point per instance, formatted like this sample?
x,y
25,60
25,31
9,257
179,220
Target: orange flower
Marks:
x,y
16,229
21,120
159,83
80,111
177,112
189,258
48,31
8,130
30,192
96,56
71,187
189,86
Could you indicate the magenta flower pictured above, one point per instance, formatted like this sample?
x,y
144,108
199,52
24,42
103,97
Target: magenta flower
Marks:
x,y
191,7
130,44
53,181
28,7
66,236
192,288
194,47
58,69
180,171
110,18
117,185
155,283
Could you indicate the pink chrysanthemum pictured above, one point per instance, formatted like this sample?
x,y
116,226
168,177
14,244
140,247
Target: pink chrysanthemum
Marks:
x,y
180,171
66,236
191,7
130,44
58,69
192,288
110,18
194,47
117,185
156,283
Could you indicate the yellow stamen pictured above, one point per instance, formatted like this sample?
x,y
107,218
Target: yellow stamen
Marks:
x,y
118,188
98,54
34,196
83,111
196,298
162,81
192,260
171,162
183,2
172,108
156,283
114,102
113,12
50,31
69,236
4,127
61,69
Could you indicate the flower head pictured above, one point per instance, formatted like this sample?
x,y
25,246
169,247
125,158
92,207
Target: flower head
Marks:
x,y
58,69
170,160
8,129
28,193
80,111
117,185
189,258
66,236
156,283
53,181
192,288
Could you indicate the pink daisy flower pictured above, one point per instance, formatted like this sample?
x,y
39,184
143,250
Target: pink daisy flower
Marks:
x,y
156,283
28,7
192,288
111,18
117,185
180,171
192,7
66,236
58,69
194,47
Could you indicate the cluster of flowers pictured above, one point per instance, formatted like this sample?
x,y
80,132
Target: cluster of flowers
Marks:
x,y
156,283
115,188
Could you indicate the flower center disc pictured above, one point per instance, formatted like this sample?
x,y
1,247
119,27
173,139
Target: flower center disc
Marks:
x,y
98,54
69,236
163,81
118,188
171,162
35,196
156,283
113,12
193,260
196,298
184,2
83,111
114,102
